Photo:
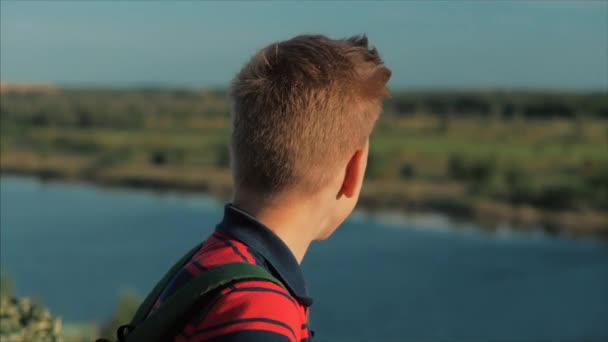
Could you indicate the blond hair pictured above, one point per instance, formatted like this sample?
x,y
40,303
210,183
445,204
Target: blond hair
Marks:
x,y
300,107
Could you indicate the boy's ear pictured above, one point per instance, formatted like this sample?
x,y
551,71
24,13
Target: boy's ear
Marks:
x,y
355,171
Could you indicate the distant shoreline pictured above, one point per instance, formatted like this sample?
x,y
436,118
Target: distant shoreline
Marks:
x,y
534,161
489,216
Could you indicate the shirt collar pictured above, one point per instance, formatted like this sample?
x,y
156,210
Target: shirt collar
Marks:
x,y
245,228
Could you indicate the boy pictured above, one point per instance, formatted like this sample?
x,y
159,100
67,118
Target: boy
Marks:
x,y
303,113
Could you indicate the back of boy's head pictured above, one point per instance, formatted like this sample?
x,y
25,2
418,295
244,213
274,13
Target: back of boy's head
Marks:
x,y
302,107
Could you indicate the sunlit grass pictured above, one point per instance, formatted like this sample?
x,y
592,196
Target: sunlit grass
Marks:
x,y
476,165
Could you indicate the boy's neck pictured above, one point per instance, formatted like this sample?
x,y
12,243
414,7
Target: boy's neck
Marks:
x,y
296,224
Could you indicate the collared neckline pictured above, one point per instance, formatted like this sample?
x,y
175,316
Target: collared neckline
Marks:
x,y
244,227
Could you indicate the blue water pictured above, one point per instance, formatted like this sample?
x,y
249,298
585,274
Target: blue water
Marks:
x,y
77,246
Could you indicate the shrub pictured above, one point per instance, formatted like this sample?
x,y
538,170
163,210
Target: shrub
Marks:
x,y
596,180
407,171
128,303
475,171
559,196
158,158
24,319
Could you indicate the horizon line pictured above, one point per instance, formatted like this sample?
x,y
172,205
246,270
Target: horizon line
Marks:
x,y
217,87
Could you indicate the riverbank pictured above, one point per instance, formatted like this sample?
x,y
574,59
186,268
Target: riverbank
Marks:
x,y
532,160
451,200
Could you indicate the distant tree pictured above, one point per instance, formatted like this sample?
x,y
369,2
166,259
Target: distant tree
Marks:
x,y
475,171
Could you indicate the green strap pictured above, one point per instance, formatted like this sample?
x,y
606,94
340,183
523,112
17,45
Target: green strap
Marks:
x,y
162,322
146,305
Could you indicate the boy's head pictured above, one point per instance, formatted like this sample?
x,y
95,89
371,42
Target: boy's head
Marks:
x,y
303,112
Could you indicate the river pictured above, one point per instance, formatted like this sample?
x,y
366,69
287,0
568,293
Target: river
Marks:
x,y
76,246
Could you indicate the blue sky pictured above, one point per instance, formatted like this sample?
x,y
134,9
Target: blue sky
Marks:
x,y
433,44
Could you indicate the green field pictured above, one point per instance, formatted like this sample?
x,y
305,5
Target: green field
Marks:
x,y
534,160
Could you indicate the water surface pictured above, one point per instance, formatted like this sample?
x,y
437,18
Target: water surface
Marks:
x,y
76,246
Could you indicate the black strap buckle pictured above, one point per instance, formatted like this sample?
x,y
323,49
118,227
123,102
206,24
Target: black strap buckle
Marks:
x,y
123,331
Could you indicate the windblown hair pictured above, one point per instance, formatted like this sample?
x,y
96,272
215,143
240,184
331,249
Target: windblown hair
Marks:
x,y
301,108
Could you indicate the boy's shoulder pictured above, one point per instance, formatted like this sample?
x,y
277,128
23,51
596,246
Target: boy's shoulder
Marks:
x,y
251,310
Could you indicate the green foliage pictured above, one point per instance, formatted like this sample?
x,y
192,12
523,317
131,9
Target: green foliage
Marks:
x,y
556,196
95,108
477,171
23,319
544,150
127,305
377,166
158,158
596,178
508,105
374,167
407,171
222,156
6,285
559,196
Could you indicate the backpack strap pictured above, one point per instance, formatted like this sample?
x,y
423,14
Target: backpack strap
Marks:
x,y
148,303
162,323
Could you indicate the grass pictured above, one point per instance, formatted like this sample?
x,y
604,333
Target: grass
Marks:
x,y
527,169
